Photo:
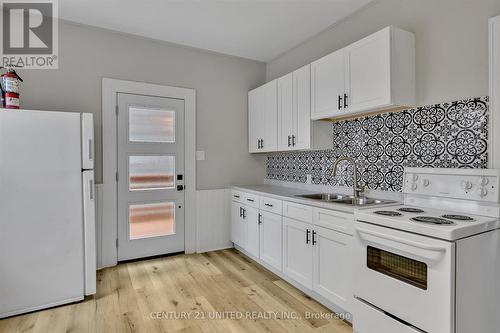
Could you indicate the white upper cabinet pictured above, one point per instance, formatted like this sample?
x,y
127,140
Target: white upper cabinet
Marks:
x,y
301,136
263,118
294,110
285,112
373,74
328,85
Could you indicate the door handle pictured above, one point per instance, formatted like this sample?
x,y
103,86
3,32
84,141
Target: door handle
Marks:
x,y
345,101
362,231
91,153
91,189
180,187
307,236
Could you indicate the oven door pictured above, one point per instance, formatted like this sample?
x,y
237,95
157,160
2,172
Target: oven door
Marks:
x,y
411,277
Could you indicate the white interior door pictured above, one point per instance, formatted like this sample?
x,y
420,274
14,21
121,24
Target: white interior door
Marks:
x,y
150,176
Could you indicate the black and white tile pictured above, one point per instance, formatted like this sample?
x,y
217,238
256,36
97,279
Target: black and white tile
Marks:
x,y
448,135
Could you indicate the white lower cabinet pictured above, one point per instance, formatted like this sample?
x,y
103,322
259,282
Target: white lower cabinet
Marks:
x,y
238,227
252,219
297,251
332,266
305,251
270,239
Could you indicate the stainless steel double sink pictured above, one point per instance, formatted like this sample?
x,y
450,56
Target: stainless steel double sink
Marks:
x,y
344,199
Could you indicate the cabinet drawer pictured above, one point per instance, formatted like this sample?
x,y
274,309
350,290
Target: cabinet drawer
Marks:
x,y
330,219
271,205
251,200
237,196
297,211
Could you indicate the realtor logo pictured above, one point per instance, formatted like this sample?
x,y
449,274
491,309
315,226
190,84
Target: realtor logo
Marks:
x,y
29,34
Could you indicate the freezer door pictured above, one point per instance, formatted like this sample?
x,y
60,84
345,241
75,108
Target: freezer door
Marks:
x,y
88,151
41,224
89,231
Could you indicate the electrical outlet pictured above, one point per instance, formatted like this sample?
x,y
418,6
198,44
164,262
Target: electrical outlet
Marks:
x,y
308,179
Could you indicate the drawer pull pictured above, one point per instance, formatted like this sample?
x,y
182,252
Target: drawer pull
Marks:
x,y
236,196
251,200
268,205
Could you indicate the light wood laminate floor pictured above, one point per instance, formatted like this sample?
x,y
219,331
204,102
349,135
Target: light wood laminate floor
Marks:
x,y
206,292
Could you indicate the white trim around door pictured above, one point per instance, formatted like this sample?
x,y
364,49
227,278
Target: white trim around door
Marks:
x,y
110,89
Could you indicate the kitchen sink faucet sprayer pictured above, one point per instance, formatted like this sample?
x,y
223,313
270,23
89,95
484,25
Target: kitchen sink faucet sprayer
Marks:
x,y
358,190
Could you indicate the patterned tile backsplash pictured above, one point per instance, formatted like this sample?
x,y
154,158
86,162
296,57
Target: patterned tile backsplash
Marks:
x,y
448,135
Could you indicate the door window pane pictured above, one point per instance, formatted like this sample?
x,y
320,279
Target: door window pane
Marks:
x,y
151,125
151,172
151,220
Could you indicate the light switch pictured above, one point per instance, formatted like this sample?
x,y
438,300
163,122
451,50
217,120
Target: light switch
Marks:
x,y
200,155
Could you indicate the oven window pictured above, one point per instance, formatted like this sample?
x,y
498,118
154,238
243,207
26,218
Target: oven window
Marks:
x,y
402,268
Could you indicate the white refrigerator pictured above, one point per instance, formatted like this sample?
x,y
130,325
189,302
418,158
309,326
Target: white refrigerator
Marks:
x,y
47,209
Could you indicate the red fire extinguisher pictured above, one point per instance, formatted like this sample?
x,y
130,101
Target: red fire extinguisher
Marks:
x,y
10,82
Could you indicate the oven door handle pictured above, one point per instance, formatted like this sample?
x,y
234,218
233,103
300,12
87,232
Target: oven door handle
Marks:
x,y
401,240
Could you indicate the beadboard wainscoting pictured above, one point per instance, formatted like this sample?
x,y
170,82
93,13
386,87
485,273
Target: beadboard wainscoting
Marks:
x,y
447,135
213,220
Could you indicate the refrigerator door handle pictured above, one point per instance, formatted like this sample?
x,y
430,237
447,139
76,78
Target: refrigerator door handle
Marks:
x,y
91,150
91,189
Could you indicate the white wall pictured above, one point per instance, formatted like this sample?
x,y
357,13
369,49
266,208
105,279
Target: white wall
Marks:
x,y
451,43
87,54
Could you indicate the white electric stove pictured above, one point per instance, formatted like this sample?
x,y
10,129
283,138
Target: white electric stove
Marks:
x,y
432,263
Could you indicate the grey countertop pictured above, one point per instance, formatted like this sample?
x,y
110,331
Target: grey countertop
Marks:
x,y
290,194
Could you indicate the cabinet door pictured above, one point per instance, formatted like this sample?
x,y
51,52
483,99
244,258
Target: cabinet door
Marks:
x,y
369,73
297,251
251,217
270,239
328,85
238,227
332,266
255,105
302,108
285,112
269,122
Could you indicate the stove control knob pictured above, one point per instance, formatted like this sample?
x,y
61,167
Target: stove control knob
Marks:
x,y
426,182
414,177
466,185
485,181
414,186
484,192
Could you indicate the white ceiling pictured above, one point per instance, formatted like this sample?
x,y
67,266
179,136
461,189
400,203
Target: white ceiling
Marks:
x,y
254,29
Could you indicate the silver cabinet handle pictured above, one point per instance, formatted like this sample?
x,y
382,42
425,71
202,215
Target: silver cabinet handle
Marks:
x,y
91,189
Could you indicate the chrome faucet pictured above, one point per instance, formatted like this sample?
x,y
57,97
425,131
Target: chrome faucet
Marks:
x,y
358,190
